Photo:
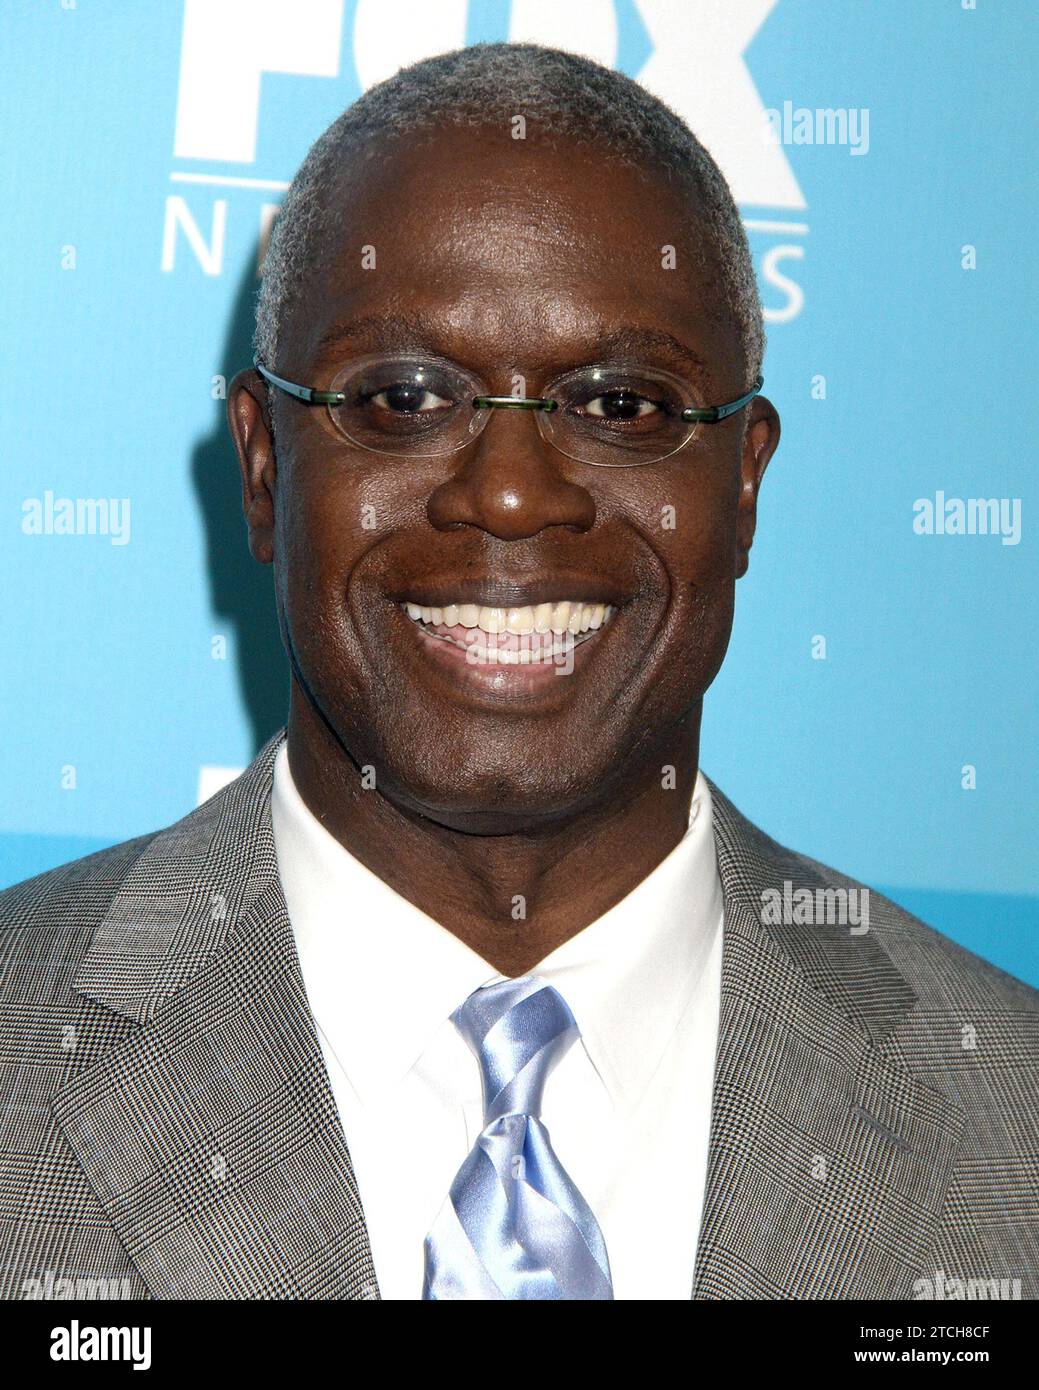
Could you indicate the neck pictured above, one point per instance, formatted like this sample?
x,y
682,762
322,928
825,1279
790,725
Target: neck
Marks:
x,y
511,898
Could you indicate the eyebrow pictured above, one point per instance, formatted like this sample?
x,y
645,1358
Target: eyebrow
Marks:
x,y
401,331
395,330
631,340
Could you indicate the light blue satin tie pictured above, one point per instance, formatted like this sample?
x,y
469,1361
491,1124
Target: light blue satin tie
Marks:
x,y
514,1225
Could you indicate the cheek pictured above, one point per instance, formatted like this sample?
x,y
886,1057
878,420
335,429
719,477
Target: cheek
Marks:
x,y
318,541
703,561
691,527
306,560
689,521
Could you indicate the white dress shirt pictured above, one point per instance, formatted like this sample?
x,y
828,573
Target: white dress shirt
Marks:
x,y
628,1108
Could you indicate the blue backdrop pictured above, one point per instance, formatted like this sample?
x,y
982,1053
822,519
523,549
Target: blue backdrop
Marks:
x,y
877,708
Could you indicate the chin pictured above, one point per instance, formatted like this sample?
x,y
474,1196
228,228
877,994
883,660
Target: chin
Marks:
x,y
490,799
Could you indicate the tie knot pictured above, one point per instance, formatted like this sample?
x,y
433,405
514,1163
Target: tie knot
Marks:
x,y
519,1029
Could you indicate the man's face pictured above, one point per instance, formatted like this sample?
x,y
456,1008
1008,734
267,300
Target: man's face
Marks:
x,y
511,259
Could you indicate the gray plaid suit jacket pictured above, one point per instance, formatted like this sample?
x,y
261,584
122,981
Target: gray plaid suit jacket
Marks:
x,y
168,1125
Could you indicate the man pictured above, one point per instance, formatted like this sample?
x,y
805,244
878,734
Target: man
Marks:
x,y
474,986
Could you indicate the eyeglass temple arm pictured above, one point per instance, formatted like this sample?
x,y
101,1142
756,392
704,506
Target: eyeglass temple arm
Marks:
x,y
306,394
708,415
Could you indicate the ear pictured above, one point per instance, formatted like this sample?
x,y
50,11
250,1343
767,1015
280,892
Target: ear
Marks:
x,y
251,429
759,445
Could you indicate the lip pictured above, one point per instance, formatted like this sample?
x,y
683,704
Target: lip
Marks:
x,y
493,679
500,592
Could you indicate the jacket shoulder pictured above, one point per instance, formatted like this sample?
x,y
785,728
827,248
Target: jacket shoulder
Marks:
x,y
50,919
941,973
143,890
938,968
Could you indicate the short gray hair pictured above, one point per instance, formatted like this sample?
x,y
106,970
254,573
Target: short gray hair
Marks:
x,y
489,84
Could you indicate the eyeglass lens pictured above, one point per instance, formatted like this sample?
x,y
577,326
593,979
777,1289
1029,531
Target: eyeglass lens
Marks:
x,y
613,415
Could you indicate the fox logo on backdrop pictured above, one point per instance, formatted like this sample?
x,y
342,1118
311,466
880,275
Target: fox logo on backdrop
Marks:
x,y
225,58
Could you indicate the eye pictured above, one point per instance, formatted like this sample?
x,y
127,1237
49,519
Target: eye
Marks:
x,y
621,404
406,398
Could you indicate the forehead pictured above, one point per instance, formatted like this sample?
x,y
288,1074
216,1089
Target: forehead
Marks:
x,y
510,253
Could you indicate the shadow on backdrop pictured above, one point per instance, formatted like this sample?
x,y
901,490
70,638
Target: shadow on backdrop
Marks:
x,y
242,591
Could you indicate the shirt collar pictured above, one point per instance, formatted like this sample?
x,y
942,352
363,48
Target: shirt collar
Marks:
x,y
382,976
629,976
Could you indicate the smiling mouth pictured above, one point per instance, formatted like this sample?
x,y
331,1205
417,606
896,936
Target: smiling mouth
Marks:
x,y
535,635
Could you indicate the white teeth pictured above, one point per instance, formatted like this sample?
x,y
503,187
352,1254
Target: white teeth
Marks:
x,y
492,619
566,616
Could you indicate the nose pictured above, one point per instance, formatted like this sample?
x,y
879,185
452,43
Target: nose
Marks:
x,y
510,485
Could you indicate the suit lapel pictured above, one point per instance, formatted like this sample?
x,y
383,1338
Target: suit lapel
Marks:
x,y
211,1136
829,1162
